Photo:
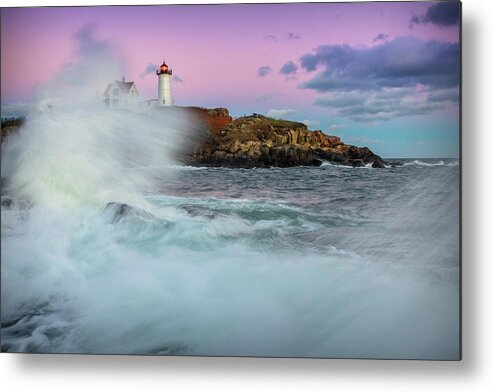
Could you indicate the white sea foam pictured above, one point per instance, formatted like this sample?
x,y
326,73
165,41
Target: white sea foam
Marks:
x,y
331,164
417,162
74,157
185,281
192,285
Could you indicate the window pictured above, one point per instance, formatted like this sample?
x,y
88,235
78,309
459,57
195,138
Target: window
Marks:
x,y
116,91
115,102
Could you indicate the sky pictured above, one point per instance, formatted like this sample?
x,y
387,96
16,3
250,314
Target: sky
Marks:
x,y
383,75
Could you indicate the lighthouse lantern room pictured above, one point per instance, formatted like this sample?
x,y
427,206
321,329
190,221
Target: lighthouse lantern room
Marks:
x,y
164,87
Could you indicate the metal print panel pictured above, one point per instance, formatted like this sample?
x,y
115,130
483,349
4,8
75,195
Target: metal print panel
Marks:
x,y
277,180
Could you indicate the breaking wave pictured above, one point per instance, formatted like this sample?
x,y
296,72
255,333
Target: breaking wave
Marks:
x,y
433,162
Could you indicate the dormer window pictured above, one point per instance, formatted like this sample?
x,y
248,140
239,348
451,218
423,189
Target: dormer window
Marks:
x,y
116,91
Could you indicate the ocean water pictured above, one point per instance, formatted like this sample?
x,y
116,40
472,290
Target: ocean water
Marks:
x,y
323,261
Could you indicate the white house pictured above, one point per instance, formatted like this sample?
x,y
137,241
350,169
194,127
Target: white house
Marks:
x,y
121,94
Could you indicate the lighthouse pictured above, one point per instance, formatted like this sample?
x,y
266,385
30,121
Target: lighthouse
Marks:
x,y
164,87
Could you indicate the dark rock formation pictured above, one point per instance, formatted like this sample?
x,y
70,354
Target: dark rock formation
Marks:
x,y
9,126
378,165
258,141
121,210
7,203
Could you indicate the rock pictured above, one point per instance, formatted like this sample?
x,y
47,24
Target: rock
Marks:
x,y
259,141
264,151
120,210
357,162
199,211
378,165
10,126
219,154
7,203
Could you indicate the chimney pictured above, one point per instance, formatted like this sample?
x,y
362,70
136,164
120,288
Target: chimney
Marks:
x,y
123,78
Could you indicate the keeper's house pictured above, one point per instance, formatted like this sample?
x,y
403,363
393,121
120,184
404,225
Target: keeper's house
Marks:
x,y
120,94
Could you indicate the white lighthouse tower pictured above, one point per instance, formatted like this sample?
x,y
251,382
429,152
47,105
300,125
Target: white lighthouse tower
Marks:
x,y
164,88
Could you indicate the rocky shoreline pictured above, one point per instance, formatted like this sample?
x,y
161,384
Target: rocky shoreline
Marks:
x,y
258,141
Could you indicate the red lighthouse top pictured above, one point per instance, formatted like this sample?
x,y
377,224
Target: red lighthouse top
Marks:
x,y
164,69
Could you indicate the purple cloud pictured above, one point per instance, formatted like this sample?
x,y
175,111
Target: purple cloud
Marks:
x,y
402,62
289,68
150,69
442,14
380,37
403,77
264,70
291,36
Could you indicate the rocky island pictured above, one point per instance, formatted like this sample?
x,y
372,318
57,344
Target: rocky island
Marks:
x,y
260,141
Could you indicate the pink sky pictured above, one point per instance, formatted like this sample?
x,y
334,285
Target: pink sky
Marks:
x,y
216,50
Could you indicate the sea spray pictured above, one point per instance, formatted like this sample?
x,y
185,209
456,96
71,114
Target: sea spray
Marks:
x,y
70,157
278,273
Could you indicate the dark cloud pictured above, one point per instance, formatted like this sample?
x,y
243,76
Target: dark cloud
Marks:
x,y
289,68
442,14
150,69
271,37
334,56
177,79
402,77
291,36
380,37
263,71
402,62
